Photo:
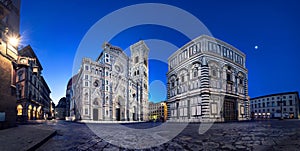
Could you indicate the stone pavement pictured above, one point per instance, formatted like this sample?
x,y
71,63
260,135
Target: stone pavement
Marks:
x,y
254,135
25,137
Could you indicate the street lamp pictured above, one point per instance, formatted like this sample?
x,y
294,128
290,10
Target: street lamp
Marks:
x,y
14,41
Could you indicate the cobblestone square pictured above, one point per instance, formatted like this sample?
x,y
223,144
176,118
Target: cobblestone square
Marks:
x,y
252,135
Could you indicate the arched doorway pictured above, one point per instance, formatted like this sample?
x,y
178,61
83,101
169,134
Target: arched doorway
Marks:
x,y
134,114
38,114
19,110
95,110
29,112
120,109
95,114
34,113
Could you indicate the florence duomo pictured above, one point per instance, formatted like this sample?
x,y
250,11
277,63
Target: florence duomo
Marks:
x,y
141,75
114,87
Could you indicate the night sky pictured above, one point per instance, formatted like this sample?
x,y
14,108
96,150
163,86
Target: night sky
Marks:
x,y
266,31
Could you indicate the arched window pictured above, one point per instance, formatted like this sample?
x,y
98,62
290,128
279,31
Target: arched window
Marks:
x,y
19,109
214,72
86,95
195,72
106,99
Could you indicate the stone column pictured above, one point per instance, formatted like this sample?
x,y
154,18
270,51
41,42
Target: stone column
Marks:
x,y
204,89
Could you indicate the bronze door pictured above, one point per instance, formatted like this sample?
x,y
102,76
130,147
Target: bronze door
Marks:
x,y
95,114
229,110
118,114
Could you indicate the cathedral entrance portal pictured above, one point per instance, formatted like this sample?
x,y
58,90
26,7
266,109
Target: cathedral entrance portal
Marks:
x,y
134,114
95,114
230,110
120,109
118,114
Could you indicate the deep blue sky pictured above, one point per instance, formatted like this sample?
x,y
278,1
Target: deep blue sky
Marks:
x,y
55,28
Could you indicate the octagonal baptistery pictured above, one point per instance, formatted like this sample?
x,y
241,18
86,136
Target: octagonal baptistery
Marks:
x,y
207,82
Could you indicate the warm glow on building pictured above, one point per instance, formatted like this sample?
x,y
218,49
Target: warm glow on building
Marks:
x,y
14,41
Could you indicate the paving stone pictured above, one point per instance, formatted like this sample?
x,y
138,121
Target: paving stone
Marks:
x,y
221,136
228,146
240,147
246,138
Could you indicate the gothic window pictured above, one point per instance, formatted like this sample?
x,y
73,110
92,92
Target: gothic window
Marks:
x,y
86,84
86,77
195,72
96,72
136,60
86,67
182,78
86,111
172,83
137,72
145,62
106,99
86,95
241,80
214,72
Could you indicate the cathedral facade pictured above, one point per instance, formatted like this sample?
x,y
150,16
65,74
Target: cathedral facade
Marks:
x,y
114,87
207,81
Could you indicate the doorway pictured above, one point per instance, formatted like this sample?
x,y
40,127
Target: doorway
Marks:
x,y
95,114
118,114
230,110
